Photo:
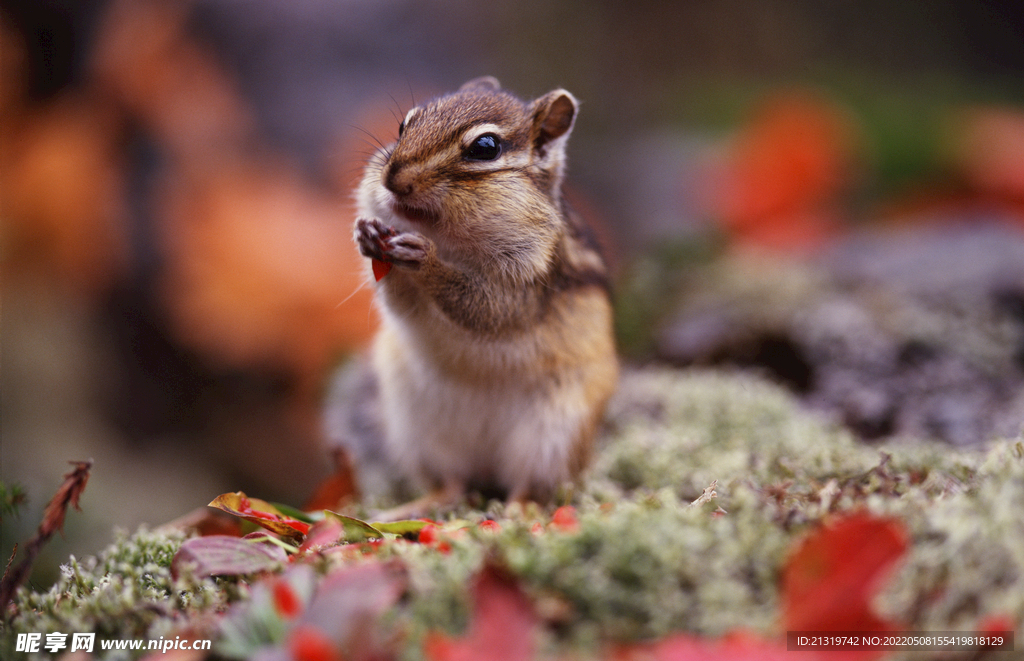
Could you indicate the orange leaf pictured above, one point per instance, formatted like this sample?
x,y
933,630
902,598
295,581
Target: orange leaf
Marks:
x,y
62,186
258,262
786,171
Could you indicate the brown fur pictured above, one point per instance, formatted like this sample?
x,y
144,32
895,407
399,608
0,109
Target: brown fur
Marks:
x,y
496,356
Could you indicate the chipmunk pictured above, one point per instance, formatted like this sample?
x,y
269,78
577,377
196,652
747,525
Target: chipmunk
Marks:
x,y
495,356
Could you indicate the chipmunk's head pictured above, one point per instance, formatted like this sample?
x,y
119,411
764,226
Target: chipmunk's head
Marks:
x,y
474,155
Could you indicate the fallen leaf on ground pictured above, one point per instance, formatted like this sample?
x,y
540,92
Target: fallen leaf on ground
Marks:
x,y
220,555
736,646
501,628
830,579
349,603
327,532
261,513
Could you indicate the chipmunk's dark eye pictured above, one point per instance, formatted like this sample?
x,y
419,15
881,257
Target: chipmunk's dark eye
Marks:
x,y
401,128
485,148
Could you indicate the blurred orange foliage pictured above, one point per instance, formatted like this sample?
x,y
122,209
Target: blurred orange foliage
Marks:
x,y
62,188
979,176
147,64
989,152
258,268
61,182
785,172
258,261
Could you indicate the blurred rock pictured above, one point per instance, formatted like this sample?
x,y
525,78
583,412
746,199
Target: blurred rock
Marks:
x,y
917,332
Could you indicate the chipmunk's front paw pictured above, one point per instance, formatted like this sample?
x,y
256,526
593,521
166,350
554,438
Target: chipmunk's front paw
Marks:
x,y
383,242
372,236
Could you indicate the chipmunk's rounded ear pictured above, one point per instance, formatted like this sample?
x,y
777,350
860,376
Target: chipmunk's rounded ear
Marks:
x,y
481,83
553,117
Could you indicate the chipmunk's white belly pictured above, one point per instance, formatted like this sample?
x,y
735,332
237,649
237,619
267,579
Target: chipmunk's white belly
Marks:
x,y
514,432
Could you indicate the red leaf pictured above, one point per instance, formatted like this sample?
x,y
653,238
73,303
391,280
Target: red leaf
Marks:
x,y
261,513
501,627
287,604
308,643
786,172
380,269
737,646
323,533
349,604
217,555
831,577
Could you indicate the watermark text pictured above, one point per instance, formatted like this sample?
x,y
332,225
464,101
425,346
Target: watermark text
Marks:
x,y
57,642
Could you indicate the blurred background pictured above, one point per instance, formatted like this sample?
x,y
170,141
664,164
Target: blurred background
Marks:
x,y
178,275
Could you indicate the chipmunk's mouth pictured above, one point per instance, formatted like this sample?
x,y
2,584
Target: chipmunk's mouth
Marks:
x,y
414,214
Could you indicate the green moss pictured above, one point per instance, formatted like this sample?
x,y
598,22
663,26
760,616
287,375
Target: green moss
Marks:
x,y
649,566
967,557
684,430
646,560
773,462
125,592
